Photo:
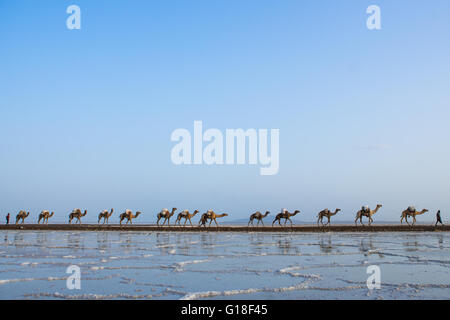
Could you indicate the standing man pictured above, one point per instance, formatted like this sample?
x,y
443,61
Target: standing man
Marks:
x,y
7,218
438,218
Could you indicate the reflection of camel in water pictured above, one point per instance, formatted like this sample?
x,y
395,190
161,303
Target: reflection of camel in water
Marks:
x,y
186,215
105,216
21,216
76,213
325,247
212,216
166,214
286,215
258,216
44,215
285,245
411,212
326,213
366,212
128,214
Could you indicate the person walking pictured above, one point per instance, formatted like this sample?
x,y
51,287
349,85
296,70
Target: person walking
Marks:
x,y
438,218
7,218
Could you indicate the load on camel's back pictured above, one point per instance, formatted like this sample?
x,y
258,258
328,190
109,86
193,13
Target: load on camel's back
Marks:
x,y
412,209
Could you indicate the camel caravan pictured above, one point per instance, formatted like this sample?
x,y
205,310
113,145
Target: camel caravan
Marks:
x,y
207,218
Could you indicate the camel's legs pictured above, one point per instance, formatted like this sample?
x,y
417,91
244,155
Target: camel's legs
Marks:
x,y
262,222
251,220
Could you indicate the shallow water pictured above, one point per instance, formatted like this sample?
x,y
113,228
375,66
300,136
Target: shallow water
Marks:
x,y
159,265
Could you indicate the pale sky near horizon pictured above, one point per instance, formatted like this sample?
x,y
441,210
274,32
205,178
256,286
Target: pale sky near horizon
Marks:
x,y
86,115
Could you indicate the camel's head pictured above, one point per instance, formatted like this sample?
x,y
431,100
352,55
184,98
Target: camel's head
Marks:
x,y
337,210
138,213
296,211
267,212
379,205
225,214
196,211
425,210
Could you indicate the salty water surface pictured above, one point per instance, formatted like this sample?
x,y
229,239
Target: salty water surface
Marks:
x,y
216,265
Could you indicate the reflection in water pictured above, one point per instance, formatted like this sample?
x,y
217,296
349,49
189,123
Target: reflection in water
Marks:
x,y
163,243
325,244
125,241
411,244
75,241
41,237
284,244
217,262
441,241
257,243
18,240
103,240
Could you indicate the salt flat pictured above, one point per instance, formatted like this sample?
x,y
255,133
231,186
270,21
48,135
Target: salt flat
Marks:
x,y
223,265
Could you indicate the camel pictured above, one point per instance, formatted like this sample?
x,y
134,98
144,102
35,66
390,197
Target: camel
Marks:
x,y
44,215
366,212
212,216
258,216
411,212
21,216
326,213
128,214
284,215
203,219
186,215
166,214
105,216
76,213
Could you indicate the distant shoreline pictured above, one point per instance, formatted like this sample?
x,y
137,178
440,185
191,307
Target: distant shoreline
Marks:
x,y
227,228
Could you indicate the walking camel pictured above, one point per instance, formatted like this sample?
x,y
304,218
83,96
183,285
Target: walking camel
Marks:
x,y
203,220
286,215
44,215
212,216
366,212
128,214
76,213
105,216
411,212
186,215
21,216
326,213
166,214
258,216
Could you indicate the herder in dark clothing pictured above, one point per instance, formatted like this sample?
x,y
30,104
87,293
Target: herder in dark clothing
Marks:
x,y
7,218
438,218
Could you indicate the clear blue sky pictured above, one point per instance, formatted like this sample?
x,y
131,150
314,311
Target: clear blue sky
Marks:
x,y
86,115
